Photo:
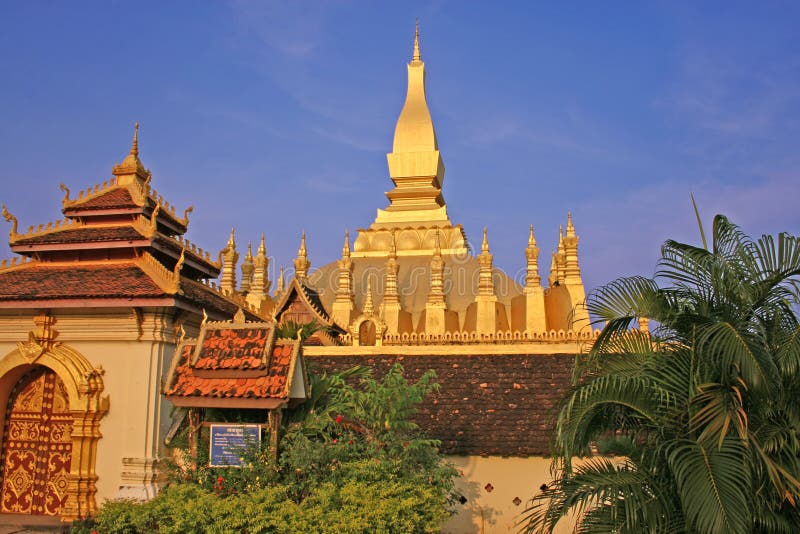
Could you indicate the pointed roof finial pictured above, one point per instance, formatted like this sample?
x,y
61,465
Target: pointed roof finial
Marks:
x,y
135,144
346,247
249,256
302,252
231,239
531,238
485,244
281,282
570,226
369,307
262,249
416,57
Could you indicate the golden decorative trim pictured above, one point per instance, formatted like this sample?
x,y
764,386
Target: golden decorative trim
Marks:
x,y
13,220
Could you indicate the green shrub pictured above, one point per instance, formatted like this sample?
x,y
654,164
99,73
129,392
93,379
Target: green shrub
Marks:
x,y
351,461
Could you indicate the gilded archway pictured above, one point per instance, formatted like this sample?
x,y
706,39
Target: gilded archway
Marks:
x,y
83,384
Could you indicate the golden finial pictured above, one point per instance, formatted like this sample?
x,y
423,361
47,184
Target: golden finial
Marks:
x,y
301,263
135,145
302,252
531,238
281,282
346,247
416,42
262,249
437,250
369,307
485,244
231,240
570,227
249,256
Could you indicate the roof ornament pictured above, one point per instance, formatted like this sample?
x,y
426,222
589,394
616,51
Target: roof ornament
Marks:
x,y
531,238
186,213
301,263
135,144
416,56
281,282
13,220
154,218
239,317
570,226
485,243
65,189
346,248
369,307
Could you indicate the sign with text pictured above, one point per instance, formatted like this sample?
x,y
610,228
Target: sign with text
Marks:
x,y
229,441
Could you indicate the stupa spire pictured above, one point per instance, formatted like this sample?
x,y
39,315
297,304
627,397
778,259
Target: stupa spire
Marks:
x,y
259,288
131,168
416,57
135,144
229,259
301,263
247,270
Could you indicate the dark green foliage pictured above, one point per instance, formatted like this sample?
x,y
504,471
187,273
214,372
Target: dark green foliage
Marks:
x,y
708,403
351,461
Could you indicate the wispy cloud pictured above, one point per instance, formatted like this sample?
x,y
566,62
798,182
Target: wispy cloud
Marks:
x,y
293,29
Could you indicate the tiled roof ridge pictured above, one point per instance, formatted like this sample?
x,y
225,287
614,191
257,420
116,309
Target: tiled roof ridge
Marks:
x,y
95,191
167,280
43,229
231,296
176,361
191,247
16,262
140,194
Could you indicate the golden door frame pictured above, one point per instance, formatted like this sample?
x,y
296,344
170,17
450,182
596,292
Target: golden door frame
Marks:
x,y
84,384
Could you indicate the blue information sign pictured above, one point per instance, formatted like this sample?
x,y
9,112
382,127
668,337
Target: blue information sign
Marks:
x,y
229,442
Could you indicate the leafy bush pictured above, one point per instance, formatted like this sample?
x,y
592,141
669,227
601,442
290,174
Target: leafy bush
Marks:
x,y
350,461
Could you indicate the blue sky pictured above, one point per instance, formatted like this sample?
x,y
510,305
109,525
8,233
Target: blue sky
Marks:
x,y
276,116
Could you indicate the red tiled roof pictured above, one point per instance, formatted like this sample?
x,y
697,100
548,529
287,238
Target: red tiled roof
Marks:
x,y
87,234
272,384
43,281
119,198
488,405
228,348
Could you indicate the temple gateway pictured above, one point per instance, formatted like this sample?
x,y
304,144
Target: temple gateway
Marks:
x,y
109,319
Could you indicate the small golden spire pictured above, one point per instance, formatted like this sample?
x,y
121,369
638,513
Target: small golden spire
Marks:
x,y
570,227
346,247
249,256
262,249
281,282
416,56
231,240
301,263
369,307
135,145
485,244
437,249
531,238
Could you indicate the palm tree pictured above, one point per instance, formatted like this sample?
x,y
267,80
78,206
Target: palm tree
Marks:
x,y
707,407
